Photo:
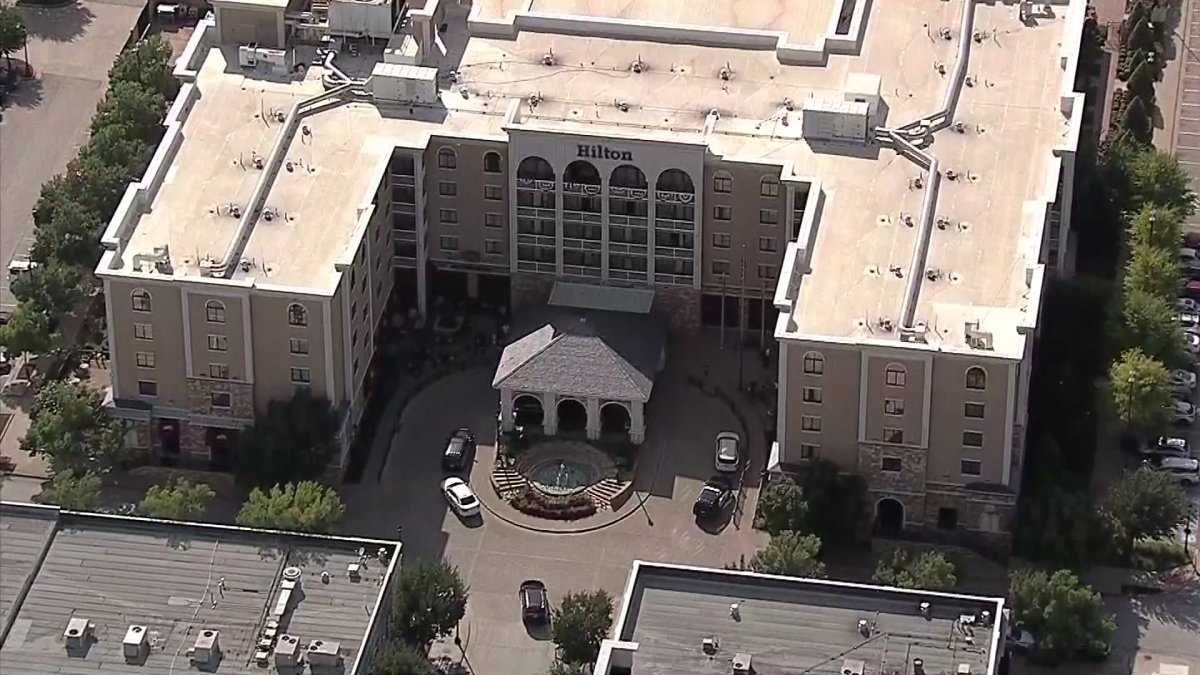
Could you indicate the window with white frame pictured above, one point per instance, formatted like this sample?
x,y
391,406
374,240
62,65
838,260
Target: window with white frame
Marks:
x,y
492,163
447,159
973,410
144,359
141,300
895,375
766,271
971,467
297,346
147,388
448,216
297,315
768,216
720,267
890,464
893,406
768,187
809,450
768,244
972,439
493,192
218,343
976,378
722,183
447,188
810,423
892,435
301,375
721,240
218,371
811,394
493,247
448,243
492,220
814,364
722,212
143,331
221,399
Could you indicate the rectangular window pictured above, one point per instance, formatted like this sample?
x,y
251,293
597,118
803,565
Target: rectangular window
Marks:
x,y
768,216
973,439
147,388
447,188
768,188
973,410
893,406
971,467
143,331
218,343
448,243
811,394
721,240
722,183
809,450
891,464
491,220
493,192
298,346
766,271
720,267
144,359
894,376
218,371
447,159
301,375
214,312
893,435
448,216
221,399
814,364
492,247
810,423
768,244
721,212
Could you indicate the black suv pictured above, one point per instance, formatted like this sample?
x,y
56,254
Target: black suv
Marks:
x,y
714,497
535,606
458,449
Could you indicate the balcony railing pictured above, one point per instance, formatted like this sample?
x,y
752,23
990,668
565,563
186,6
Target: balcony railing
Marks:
x,y
632,249
673,279
673,225
627,192
581,271
543,240
582,244
628,221
668,197
534,184
627,275
581,189
536,267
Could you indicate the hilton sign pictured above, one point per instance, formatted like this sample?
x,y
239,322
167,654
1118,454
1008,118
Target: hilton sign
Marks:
x,y
602,152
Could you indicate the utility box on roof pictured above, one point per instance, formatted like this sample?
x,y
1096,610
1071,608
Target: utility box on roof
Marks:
x,y
835,121
402,83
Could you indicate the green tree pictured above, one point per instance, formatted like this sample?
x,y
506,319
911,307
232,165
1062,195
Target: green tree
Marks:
x,y
51,288
781,506
1141,389
1141,36
1136,120
147,63
834,501
293,440
1060,526
1141,83
178,500
1149,322
580,623
71,237
303,507
1067,618
430,600
400,658
1154,226
116,144
69,428
1155,177
13,33
1153,271
792,554
74,491
930,570
134,106
562,668
1147,503
27,330
57,193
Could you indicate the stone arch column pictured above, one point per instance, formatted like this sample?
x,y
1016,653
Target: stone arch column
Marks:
x,y
506,409
549,414
637,421
593,418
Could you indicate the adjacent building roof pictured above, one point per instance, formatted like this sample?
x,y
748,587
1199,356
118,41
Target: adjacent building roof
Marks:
x,y
792,625
584,353
177,580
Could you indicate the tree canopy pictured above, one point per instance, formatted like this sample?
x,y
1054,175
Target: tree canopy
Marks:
x,y
293,440
1067,619
400,658
303,507
13,33
1141,392
27,330
1147,503
1149,322
1155,226
788,553
180,499
74,491
823,502
930,570
1153,271
430,600
1155,177
580,623
70,430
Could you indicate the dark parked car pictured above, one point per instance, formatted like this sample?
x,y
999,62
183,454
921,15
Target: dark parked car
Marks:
x,y
714,497
535,606
458,449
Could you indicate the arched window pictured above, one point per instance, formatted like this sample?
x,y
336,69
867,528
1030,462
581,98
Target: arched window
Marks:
x,y
895,375
674,180
580,171
214,311
297,315
447,159
627,176
976,378
769,187
141,300
722,182
814,363
491,163
535,168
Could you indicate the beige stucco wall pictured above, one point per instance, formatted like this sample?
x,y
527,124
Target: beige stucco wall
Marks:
x,y
469,202
744,229
948,421
166,320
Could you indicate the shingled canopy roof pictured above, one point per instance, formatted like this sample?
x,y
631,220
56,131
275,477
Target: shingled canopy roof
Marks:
x,y
584,353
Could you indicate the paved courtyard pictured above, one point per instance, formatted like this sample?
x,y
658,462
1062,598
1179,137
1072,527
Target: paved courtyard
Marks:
x,y
495,556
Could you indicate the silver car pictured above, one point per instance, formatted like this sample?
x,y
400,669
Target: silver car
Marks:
x,y
729,451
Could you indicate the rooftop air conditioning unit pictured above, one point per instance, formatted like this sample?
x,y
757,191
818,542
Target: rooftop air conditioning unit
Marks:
x,y
853,667
324,653
135,644
742,664
78,633
248,55
287,651
207,649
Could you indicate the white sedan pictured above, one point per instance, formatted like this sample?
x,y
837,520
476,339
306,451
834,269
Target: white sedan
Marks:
x,y
460,496
728,455
1183,412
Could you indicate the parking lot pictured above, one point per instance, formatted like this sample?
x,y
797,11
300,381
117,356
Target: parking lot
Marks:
x,y
494,556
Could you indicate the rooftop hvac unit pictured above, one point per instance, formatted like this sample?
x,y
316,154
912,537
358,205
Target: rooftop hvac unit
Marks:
x,y
135,644
206,649
324,653
248,55
742,664
283,602
964,669
287,651
78,633
853,667
397,82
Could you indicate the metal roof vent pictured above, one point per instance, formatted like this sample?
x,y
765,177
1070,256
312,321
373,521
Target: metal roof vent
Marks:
x,y
638,66
964,669
726,72
548,57
324,653
710,645
918,666
292,573
135,645
742,664
207,649
79,632
853,667
287,651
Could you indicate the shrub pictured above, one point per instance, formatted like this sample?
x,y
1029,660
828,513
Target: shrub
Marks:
x,y
1158,554
541,505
